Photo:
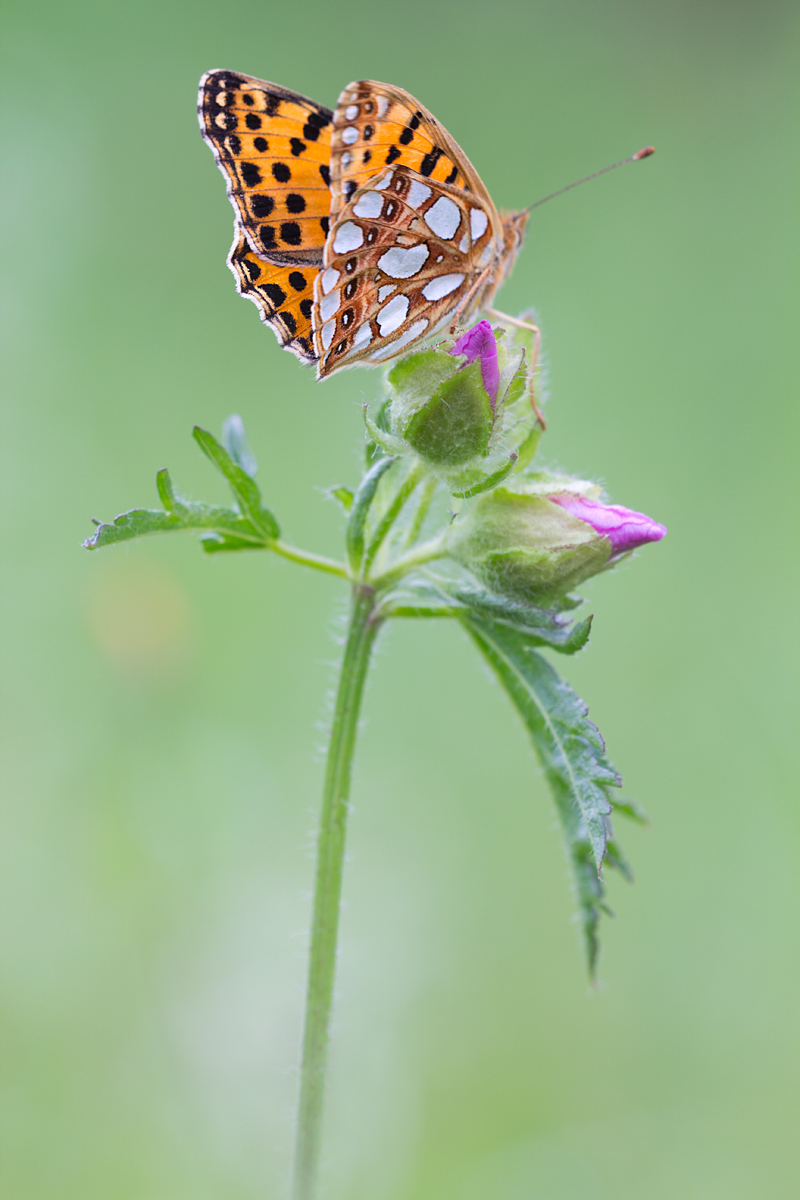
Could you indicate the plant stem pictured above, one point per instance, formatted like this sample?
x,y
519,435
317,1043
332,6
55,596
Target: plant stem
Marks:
x,y
364,626
307,559
392,513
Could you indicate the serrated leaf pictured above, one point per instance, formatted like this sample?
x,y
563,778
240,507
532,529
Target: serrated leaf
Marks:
x,y
361,506
570,750
631,810
542,626
187,515
244,489
234,439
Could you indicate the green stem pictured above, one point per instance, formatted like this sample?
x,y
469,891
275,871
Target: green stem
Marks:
x,y
422,511
364,625
427,552
392,513
307,559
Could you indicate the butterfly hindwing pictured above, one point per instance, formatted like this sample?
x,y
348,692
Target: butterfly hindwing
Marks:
x,y
283,294
405,254
273,146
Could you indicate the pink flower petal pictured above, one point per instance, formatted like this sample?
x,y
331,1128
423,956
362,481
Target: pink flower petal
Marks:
x,y
623,527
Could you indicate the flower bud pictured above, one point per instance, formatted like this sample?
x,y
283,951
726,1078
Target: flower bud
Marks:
x,y
545,536
446,411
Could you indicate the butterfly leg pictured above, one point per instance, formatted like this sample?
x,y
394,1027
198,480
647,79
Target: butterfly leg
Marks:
x,y
537,341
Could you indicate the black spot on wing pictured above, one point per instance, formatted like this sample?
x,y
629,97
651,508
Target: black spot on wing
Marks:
x,y
253,269
281,172
261,144
324,171
453,176
297,146
305,308
325,223
290,233
295,203
276,294
267,235
298,281
253,121
288,321
393,154
349,187
262,205
250,173
429,161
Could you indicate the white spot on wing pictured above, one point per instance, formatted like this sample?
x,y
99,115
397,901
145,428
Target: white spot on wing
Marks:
x,y
443,217
417,194
351,112
349,135
329,279
442,286
463,245
385,291
392,316
487,254
383,104
327,334
363,336
385,181
349,236
346,159
329,305
369,205
410,335
478,221
402,264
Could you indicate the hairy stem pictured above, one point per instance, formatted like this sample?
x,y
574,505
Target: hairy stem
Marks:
x,y
307,559
392,513
364,625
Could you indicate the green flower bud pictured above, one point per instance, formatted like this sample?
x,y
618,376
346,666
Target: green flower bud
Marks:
x,y
522,544
447,410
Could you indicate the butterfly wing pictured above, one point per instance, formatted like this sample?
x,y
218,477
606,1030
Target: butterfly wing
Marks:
x,y
273,147
376,125
405,255
283,294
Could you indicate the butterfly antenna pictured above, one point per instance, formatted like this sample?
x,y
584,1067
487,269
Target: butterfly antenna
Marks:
x,y
645,152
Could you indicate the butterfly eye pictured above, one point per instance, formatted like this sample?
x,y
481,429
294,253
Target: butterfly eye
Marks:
x,y
350,289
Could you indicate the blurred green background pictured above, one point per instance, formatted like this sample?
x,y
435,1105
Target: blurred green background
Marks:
x,y
161,710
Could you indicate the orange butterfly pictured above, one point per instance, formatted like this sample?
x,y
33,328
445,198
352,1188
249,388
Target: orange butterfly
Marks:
x,y
359,232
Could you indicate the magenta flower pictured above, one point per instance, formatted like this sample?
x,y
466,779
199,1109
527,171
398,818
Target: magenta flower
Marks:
x,y
479,342
623,527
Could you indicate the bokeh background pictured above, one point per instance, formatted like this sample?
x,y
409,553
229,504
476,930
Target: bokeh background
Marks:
x,y
162,711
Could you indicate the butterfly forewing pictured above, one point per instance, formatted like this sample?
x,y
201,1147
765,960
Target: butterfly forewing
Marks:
x,y
273,146
377,126
404,255
283,294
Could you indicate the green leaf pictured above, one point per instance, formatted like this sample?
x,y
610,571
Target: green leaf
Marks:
x,y
541,626
571,752
244,489
489,481
166,492
344,495
234,439
136,523
631,810
361,506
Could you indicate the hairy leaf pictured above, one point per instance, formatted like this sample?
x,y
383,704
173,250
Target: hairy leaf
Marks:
x,y
234,439
362,502
245,489
572,754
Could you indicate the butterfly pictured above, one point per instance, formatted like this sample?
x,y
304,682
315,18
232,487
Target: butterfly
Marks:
x,y
358,232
